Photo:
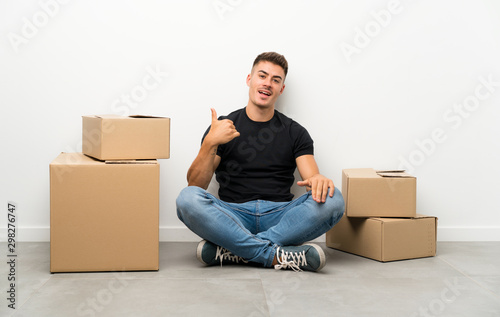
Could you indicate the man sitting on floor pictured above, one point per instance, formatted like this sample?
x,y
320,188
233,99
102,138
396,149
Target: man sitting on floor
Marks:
x,y
254,152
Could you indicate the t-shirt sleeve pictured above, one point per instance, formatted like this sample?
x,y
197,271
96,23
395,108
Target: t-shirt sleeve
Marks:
x,y
302,141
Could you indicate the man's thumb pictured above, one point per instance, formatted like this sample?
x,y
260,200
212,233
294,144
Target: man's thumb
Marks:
x,y
214,114
302,183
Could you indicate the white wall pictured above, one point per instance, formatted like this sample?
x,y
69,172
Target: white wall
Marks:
x,y
367,100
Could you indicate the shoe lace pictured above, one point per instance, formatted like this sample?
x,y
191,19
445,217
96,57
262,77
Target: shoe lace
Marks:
x,y
293,260
224,254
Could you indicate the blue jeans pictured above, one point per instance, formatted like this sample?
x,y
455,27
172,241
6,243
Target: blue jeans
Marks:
x,y
253,230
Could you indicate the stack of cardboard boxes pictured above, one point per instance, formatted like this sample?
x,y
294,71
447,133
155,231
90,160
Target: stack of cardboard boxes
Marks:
x,y
380,220
104,202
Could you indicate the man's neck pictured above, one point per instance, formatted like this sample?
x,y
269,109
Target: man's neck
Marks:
x,y
259,114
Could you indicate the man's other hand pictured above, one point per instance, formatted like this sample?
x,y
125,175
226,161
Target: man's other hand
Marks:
x,y
319,185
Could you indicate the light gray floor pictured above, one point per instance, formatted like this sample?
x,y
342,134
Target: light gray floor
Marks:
x,y
463,280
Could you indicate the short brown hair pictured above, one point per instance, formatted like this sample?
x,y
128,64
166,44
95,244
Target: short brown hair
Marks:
x,y
274,58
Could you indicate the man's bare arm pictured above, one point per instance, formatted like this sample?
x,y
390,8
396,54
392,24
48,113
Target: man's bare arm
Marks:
x,y
203,167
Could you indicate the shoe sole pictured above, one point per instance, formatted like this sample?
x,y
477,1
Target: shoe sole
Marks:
x,y
199,249
321,253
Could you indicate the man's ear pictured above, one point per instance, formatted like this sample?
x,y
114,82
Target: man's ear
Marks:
x,y
282,88
248,79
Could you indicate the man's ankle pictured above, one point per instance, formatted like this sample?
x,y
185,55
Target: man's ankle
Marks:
x,y
275,261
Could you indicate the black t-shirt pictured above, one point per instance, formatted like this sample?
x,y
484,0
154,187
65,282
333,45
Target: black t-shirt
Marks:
x,y
259,164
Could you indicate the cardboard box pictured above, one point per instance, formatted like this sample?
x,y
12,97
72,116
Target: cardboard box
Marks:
x,y
370,193
385,239
104,216
113,137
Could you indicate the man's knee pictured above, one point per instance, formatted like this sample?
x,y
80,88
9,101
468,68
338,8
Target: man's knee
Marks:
x,y
187,200
336,206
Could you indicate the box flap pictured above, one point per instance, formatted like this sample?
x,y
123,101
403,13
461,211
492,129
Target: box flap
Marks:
x,y
131,162
388,220
110,116
394,173
418,216
105,116
139,116
116,116
396,219
390,171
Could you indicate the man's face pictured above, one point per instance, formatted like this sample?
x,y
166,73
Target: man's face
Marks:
x,y
266,82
